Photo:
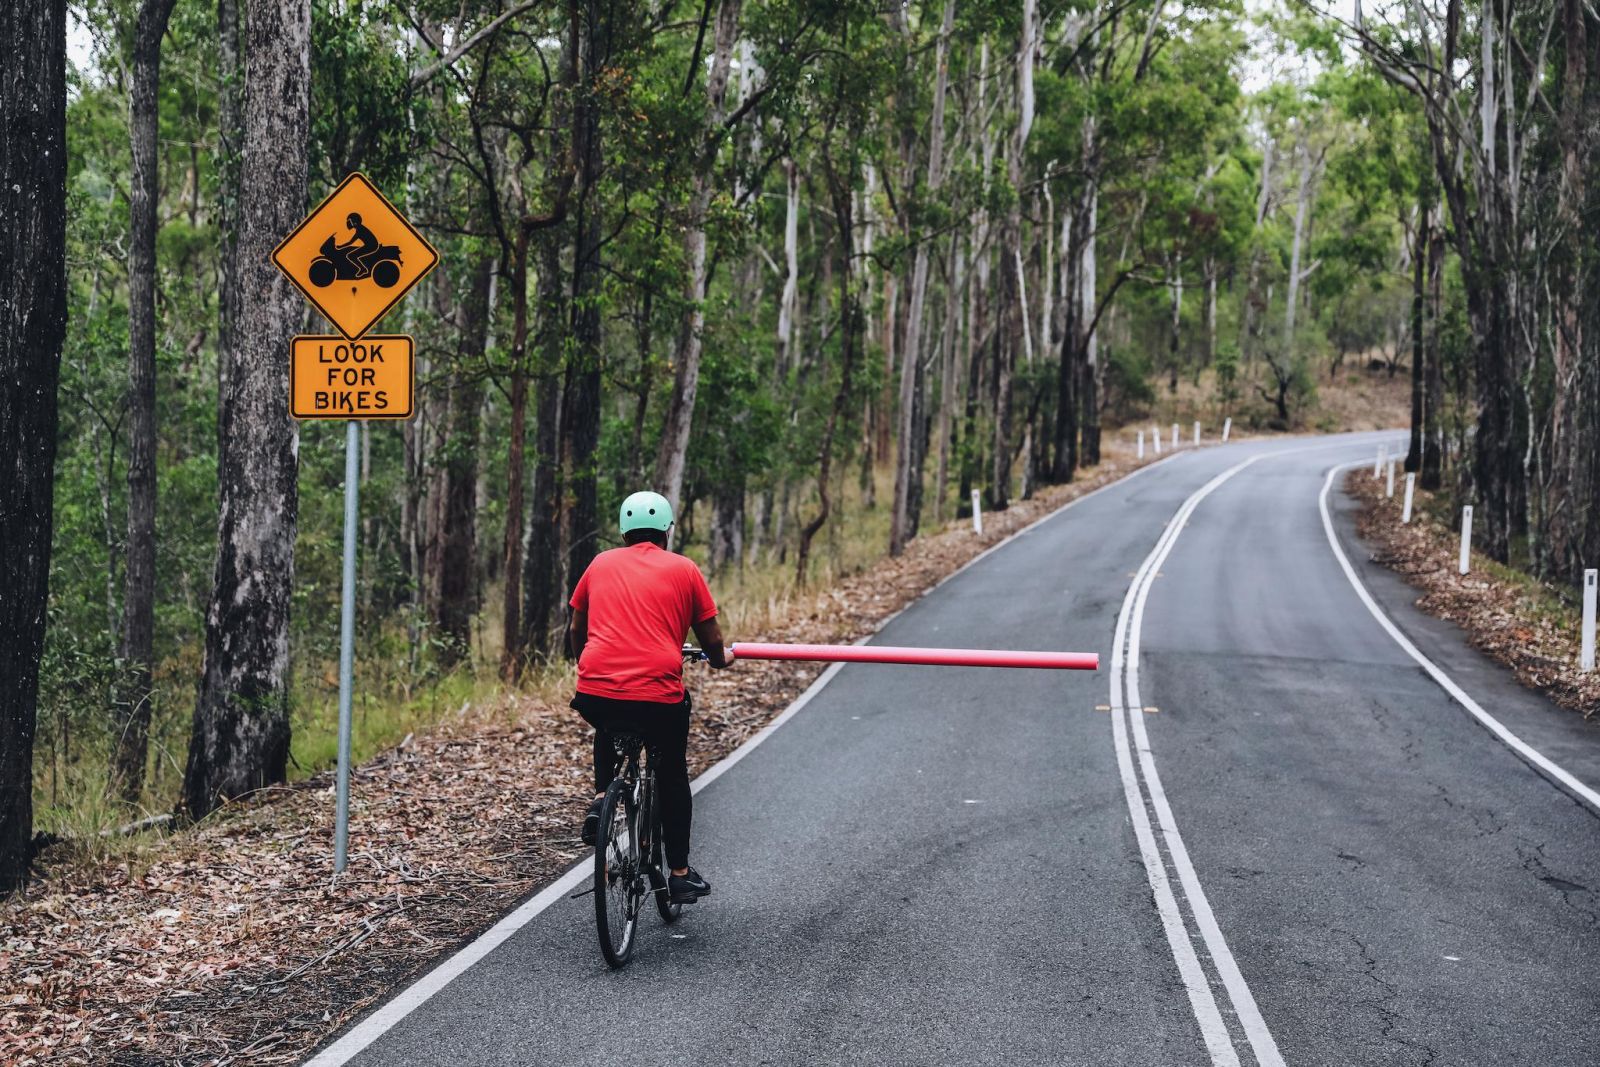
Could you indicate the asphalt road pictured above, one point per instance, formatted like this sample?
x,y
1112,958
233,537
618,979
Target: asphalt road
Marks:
x,y
1296,847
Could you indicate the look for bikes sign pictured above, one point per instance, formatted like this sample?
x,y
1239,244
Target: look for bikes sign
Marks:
x,y
354,257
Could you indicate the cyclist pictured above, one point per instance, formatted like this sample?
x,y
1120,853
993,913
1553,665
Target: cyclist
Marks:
x,y
630,612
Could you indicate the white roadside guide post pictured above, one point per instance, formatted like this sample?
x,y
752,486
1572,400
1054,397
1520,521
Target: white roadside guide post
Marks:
x,y
1174,435
1196,431
1141,444
1411,484
1227,428
1389,491
352,377
1587,661
1466,538
977,514
1155,438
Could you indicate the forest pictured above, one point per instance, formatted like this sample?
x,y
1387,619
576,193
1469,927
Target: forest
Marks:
x,y
816,270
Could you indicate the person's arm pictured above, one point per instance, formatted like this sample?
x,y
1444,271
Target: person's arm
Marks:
x,y
709,634
577,633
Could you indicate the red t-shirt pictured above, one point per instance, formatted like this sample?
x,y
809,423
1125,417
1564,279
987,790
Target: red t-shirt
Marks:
x,y
641,602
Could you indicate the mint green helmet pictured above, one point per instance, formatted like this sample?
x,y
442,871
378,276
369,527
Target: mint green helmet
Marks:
x,y
646,511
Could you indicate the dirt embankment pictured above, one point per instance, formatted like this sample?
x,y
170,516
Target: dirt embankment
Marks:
x,y
1508,615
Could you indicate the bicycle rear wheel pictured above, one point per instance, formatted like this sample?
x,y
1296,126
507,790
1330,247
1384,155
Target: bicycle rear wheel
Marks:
x,y
619,877
670,912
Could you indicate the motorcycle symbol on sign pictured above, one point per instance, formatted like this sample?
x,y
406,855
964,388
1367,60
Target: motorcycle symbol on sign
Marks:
x,y
360,257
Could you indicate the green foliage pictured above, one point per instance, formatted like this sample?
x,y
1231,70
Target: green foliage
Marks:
x,y
1158,132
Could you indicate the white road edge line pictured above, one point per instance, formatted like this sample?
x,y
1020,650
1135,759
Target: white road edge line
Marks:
x,y
354,1041
1532,756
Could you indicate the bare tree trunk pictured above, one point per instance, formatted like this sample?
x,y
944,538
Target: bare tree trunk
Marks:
x,y
903,523
1011,268
1088,305
515,643
1419,265
230,124
540,584
240,739
789,307
1174,335
686,383
947,376
1302,210
139,597
33,317
849,325
1571,437
1433,371
580,421
727,526
1069,368
455,601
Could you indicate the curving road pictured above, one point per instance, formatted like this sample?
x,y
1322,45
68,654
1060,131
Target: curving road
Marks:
x,y
1283,844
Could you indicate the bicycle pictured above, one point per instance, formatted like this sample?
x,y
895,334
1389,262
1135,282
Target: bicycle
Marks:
x,y
628,852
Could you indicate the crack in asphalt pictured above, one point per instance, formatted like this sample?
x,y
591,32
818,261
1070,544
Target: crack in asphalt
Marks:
x,y
1391,1018
1533,861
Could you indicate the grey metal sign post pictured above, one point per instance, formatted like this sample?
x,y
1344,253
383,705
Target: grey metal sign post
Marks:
x,y
347,641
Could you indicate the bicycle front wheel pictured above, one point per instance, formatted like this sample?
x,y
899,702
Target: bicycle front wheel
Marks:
x,y
619,875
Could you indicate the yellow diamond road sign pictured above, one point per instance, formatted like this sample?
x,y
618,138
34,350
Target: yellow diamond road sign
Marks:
x,y
355,256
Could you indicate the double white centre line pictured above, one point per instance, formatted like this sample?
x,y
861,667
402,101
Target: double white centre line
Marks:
x,y
1184,910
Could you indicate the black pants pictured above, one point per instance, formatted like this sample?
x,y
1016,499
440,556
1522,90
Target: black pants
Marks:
x,y
665,730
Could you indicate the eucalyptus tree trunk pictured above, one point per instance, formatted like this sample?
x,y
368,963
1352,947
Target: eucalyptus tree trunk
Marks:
x,y
1302,211
849,326
1419,343
33,320
1011,267
515,640
903,523
230,124
956,275
580,422
454,598
789,305
139,596
1571,435
1433,370
1088,341
1175,323
240,737
686,360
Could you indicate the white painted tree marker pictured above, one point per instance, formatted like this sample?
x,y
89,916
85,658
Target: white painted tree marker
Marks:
x,y
1587,661
977,514
1227,428
1389,491
1466,538
1141,444
1411,485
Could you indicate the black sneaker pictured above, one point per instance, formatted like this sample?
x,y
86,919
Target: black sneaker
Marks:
x,y
591,822
687,888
